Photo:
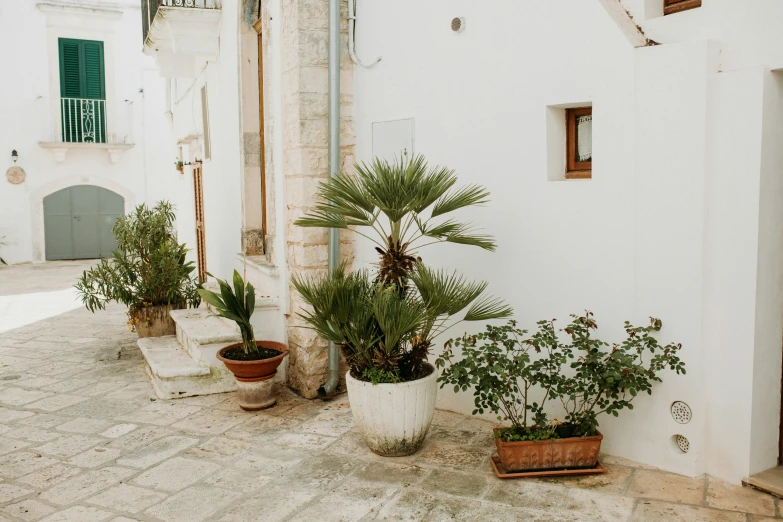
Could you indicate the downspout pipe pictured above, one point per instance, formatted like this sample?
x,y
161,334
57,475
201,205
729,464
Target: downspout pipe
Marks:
x,y
352,36
333,377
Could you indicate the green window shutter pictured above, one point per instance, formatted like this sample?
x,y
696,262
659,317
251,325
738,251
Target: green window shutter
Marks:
x,y
70,67
94,87
82,78
82,73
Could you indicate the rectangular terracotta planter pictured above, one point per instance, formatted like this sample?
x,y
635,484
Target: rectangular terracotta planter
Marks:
x,y
570,453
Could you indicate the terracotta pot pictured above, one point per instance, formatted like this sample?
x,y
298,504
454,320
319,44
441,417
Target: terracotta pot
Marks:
x,y
573,452
393,419
254,369
257,393
155,321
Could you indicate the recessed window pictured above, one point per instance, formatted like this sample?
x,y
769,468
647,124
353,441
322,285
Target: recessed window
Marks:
x,y
676,6
579,143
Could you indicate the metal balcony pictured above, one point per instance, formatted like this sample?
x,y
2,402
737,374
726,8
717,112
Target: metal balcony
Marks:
x,y
79,123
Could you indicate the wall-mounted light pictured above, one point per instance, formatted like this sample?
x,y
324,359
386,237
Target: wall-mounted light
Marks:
x,y
14,155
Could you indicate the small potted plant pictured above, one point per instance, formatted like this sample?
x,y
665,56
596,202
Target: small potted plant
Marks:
x,y
514,376
253,363
148,272
385,323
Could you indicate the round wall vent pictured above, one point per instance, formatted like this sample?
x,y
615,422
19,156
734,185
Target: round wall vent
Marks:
x,y
680,444
681,412
458,24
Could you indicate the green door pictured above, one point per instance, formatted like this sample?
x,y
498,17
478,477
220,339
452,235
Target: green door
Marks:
x,y
78,222
82,91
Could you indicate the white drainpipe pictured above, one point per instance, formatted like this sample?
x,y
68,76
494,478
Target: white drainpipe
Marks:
x,y
334,170
352,36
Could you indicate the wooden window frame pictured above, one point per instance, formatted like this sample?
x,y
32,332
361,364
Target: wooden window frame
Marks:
x,y
576,169
677,6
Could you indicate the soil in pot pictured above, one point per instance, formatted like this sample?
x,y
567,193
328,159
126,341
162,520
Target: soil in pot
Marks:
x,y
272,354
237,353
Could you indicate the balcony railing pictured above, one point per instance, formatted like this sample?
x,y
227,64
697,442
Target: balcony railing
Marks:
x,y
80,120
149,9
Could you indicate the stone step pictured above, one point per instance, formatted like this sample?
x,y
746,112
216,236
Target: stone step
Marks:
x,y
174,373
199,327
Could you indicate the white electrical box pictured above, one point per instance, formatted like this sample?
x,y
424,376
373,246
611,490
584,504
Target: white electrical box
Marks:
x,y
393,139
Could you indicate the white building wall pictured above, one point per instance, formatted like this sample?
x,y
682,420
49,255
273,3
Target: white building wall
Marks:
x,y
668,227
222,173
30,87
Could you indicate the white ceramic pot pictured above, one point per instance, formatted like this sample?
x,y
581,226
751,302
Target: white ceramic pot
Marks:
x,y
393,419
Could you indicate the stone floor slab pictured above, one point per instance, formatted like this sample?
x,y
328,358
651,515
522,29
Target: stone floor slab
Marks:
x,y
79,514
175,474
82,440
747,500
654,511
85,485
193,504
659,485
28,510
156,452
9,492
130,499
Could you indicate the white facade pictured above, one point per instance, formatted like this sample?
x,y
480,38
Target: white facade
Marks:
x,y
230,174
137,160
682,219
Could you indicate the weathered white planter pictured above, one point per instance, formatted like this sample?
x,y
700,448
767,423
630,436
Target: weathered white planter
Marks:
x,y
393,419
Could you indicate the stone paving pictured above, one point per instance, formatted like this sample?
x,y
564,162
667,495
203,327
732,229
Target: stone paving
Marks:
x,y
82,439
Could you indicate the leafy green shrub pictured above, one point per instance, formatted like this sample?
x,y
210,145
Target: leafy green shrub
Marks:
x,y
236,304
385,324
147,269
515,375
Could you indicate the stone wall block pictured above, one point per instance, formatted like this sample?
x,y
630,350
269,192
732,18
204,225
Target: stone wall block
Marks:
x,y
313,48
313,106
313,79
301,191
313,133
347,132
312,256
313,14
307,162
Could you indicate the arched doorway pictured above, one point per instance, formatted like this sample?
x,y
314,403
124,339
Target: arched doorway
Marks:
x,y
78,222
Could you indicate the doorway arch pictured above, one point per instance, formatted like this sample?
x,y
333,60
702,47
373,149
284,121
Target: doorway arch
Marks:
x,y
78,222
38,225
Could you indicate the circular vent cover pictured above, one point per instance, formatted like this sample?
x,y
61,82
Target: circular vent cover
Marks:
x,y
682,443
681,412
458,24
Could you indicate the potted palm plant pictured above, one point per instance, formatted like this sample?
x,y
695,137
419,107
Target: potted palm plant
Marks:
x,y
148,272
253,363
385,322
514,376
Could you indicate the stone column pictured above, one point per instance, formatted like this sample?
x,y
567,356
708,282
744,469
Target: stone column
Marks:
x,y
305,139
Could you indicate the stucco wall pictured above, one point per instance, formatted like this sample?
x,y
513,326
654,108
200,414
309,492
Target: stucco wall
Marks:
x,y
31,82
661,230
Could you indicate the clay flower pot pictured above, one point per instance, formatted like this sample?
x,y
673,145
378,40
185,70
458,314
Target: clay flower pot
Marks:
x,y
255,379
154,321
393,419
573,452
